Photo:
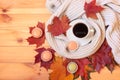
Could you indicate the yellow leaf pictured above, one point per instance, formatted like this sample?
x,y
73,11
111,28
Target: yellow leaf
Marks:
x,y
59,70
69,77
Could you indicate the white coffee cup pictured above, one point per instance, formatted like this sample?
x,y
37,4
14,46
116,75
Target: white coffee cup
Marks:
x,y
80,31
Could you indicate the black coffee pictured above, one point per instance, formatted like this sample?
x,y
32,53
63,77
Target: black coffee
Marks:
x,y
80,30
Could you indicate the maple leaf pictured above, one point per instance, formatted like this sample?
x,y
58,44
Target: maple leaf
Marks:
x,y
59,70
82,63
91,9
59,26
69,77
103,57
38,57
38,41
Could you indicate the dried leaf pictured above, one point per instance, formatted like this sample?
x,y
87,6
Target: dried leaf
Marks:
x,y
38,57
82,69
65,23
59,26
82,63
59,70
91,9
103,57
38,41
69,77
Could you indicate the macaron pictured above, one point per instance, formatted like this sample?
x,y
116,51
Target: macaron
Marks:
x,y
37,32
72,45
46,56
72,67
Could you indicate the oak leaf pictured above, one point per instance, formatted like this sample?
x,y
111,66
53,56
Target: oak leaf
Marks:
x,y
59,26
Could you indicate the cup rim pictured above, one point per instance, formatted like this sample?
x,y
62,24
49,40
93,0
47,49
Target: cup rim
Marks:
x,y
73,23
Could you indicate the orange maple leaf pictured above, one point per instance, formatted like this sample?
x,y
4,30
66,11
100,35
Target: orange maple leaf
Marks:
x,y
59,26
91,9
69,77
59,70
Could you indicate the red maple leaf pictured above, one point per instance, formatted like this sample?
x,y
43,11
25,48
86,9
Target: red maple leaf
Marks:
x,y
38,57
91,9
103,57
38,41
82,63
59,26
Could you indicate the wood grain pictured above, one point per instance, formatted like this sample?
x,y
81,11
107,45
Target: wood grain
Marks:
x,y
14,54
16,16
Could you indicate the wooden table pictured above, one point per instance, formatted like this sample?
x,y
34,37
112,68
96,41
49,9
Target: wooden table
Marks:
x,y
16,56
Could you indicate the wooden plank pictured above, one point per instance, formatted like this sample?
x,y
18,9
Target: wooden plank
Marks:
x,y
18,71
15,54
21,3
15,37
26,11
10,37
21,20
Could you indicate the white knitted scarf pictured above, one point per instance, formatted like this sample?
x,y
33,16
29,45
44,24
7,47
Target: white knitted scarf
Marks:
x,y
74,9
